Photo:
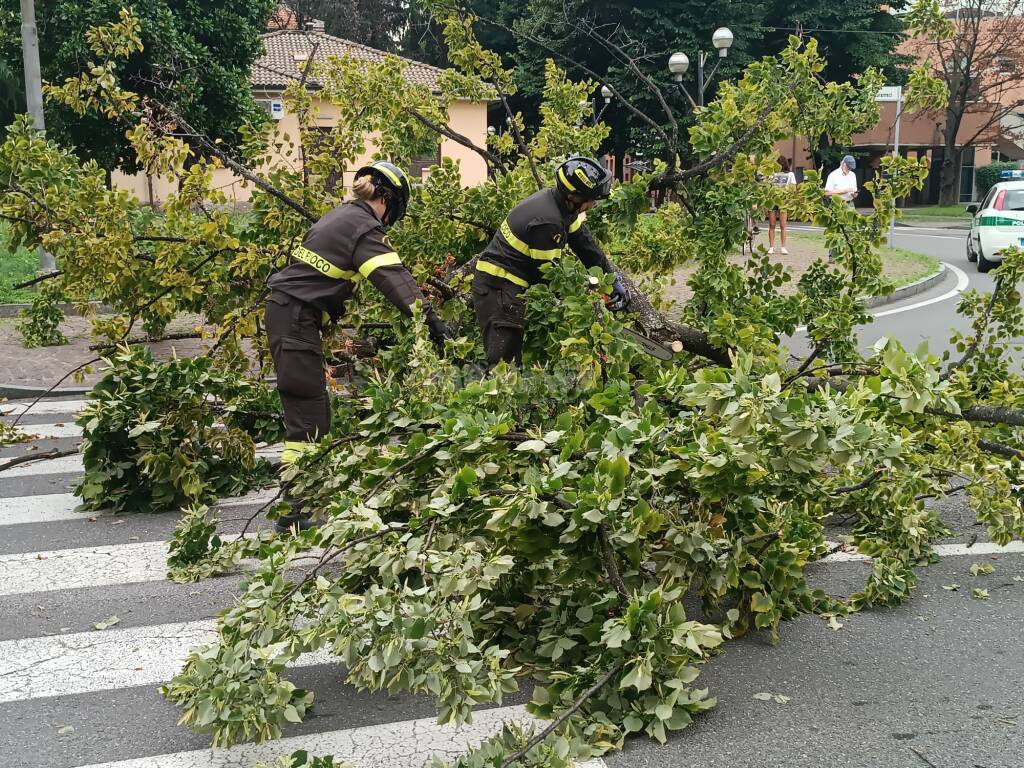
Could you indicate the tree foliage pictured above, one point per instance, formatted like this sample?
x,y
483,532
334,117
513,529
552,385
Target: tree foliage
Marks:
x,y
159,436
598,523
195,56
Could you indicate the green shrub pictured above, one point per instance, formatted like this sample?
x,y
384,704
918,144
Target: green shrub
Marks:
x,y
987,175
160,436
39,325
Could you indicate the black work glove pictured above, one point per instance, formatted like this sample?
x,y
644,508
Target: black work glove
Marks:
x,y
620,298
439,331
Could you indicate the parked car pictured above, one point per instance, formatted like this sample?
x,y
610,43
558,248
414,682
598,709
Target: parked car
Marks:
x,y
998,221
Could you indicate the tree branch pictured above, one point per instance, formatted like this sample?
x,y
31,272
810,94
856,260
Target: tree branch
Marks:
x,y
1000,449
610,566
583,698
37,280
458,138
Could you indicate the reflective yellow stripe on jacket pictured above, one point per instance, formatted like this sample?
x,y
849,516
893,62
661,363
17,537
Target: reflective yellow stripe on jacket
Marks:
x,y
323,266
574,227
540,254
504,274
389,259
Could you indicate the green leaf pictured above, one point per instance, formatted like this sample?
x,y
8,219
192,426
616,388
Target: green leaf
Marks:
x,y
763,696
535,446
761,603
980,594
638,676
106,623
981,568
291,714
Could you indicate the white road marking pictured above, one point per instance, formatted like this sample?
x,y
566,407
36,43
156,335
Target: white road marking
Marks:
x,y
942,550
60,569
55,507
85,662
962,281
73,464
43,407
408,744
52,431
89,662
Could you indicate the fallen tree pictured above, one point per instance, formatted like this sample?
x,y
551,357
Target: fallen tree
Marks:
x,y
598,522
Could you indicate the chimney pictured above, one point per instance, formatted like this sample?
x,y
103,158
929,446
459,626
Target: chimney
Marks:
x,y
315,25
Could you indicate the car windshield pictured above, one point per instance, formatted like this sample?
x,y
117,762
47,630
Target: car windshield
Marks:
x,y
1014,200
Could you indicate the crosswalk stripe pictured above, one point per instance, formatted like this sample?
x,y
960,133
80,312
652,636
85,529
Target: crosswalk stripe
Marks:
x,y
942,550
87,662
53,431
73,464
43,407
406,744
55,507
30,572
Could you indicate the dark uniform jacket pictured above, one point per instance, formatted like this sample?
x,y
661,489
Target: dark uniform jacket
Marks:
x,y
346,246
534,233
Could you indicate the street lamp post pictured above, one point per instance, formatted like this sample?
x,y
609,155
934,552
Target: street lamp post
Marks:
x,y
34,92
679,63
606,94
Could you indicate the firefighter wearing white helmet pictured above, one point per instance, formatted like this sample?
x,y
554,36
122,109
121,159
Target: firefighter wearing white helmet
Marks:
x,y
534,233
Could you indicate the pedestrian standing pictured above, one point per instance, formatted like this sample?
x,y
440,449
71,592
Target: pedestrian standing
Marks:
x,y
842,182
343,248
783,178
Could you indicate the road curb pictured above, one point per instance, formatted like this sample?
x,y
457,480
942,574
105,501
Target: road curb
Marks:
x,y
914,288
18,392
12,310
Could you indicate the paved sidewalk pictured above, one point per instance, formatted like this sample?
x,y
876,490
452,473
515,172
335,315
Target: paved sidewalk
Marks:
x,y
39,369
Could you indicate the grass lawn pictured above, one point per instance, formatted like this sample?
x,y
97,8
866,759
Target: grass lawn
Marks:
x,y
16,265
936,212
902,267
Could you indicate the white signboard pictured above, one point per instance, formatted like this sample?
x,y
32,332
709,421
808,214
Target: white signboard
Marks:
x,y
890,93
277,109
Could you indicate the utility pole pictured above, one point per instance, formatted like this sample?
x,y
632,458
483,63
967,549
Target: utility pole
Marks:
x,y
34,92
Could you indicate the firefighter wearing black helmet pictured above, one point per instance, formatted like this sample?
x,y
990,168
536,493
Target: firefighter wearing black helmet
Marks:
x,y
348,245
534,233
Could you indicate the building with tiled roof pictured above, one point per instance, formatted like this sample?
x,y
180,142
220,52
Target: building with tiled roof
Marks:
x,y
289,49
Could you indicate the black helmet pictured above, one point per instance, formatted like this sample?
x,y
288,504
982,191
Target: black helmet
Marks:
x,y
584,177
392,184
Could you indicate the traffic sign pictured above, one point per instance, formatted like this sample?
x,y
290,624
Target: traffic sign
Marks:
x,y
890,93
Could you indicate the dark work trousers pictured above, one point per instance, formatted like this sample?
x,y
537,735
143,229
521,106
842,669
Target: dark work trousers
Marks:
x,y
501,313
293,332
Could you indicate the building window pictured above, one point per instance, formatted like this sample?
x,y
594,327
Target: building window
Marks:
x,y
967,175
423,162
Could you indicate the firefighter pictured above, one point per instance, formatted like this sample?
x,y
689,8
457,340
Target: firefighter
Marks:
x,y
534,233
343,248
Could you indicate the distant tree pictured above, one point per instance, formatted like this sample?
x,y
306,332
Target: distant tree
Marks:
x,y
377,23
981,62
196,58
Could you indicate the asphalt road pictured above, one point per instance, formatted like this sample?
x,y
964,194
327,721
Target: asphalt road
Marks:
x,y
935,683
930,316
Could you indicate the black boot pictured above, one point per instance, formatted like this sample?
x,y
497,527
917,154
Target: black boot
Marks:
x,y
298,519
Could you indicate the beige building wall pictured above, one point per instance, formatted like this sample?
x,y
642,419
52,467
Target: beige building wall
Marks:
x,y
465,117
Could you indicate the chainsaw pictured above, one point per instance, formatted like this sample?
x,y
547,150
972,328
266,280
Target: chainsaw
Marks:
x,y
648,345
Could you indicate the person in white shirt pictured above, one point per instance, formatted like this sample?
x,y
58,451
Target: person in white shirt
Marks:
x,y
842,182
784,178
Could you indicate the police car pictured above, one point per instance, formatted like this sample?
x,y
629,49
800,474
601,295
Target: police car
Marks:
x,y
998,221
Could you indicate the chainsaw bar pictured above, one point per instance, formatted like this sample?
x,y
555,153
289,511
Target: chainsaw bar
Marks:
x,y
650,346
